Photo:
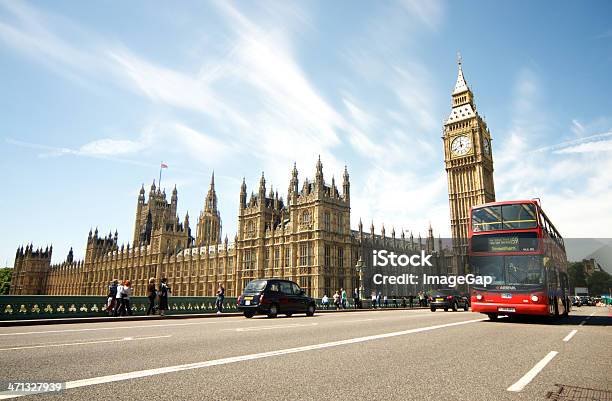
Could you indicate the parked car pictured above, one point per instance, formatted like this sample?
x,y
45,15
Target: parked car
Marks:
x,y
273,297
588,301
448,299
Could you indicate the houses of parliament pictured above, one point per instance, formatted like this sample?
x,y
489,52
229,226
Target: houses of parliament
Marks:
x,y
305,237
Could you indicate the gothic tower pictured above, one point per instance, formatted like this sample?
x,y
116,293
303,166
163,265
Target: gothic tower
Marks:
x,y
468,160
155,214
30,272
209,224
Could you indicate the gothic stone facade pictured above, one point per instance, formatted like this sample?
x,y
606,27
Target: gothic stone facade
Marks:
x,y
468,160
306,239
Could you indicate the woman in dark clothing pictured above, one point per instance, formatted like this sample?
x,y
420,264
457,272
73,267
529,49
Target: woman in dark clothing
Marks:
x,y
151,294
163,296
220,298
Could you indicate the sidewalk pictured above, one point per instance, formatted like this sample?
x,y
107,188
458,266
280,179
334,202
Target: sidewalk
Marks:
x,y
99,319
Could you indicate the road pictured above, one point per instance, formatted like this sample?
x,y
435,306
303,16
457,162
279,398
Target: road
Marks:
x,y
386,355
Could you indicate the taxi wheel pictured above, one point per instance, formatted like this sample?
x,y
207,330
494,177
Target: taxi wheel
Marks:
x,y
273,311
310,311
445,309
288,314
454,306
249,314
433,309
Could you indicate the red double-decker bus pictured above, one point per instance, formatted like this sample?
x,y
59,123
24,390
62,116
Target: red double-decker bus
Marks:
x,y
516,244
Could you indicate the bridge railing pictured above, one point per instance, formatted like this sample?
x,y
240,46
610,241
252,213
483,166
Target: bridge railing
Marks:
x,y
15,307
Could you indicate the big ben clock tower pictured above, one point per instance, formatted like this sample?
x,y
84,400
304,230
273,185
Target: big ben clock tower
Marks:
x,y
469,163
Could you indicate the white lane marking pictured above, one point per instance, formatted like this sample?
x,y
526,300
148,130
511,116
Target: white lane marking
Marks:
x,y
108,328
83,343
283,326
172,325
379,314
153,325
570,335
225,361
529,376
582,323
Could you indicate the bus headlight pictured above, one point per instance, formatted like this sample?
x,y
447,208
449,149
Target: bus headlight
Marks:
x,y
534,298
479,297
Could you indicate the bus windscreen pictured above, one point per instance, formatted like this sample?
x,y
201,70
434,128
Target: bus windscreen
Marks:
x,y
517,271
504,217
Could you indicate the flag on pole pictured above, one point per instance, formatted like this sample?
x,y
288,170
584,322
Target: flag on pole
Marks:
x,y
163,165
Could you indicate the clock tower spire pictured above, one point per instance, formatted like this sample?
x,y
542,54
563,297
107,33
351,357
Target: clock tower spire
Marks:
x,y
469,163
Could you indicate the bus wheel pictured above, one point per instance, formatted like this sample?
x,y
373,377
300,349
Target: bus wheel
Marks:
x,y
492,316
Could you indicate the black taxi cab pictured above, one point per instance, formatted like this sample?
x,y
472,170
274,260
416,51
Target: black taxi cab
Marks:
x,y
273,297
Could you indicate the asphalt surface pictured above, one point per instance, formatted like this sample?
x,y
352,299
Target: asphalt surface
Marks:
x,y
391,355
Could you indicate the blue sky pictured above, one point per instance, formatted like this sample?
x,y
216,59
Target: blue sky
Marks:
x,y
96,94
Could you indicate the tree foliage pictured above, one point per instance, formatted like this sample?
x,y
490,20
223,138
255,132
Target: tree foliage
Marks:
x,y
599,283
577,276
5,280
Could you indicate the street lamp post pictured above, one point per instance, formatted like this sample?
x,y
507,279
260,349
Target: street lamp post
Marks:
x,y
359,267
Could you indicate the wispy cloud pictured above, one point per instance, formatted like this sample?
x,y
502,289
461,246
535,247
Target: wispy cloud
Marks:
x,y
29,33
56,151
568,176
430,13
162,139
588,147
591,143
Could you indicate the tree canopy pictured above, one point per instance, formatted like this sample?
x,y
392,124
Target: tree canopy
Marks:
x,y
5,280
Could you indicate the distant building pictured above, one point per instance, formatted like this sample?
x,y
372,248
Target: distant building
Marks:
x,y
591,266
307,239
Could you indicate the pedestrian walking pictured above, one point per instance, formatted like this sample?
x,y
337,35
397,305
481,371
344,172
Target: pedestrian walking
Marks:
x,y
411,301
394,301
220,298
356,299
386,301
337,300
325,301
344,298
125,295
151,294
373,300
379,299
118,299
164,292
111,302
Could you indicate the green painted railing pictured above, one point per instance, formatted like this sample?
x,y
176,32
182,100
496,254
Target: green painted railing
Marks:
x,y
14,307
17,307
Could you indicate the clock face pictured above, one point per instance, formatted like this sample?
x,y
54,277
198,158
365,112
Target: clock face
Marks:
x,y
487,146
461,145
